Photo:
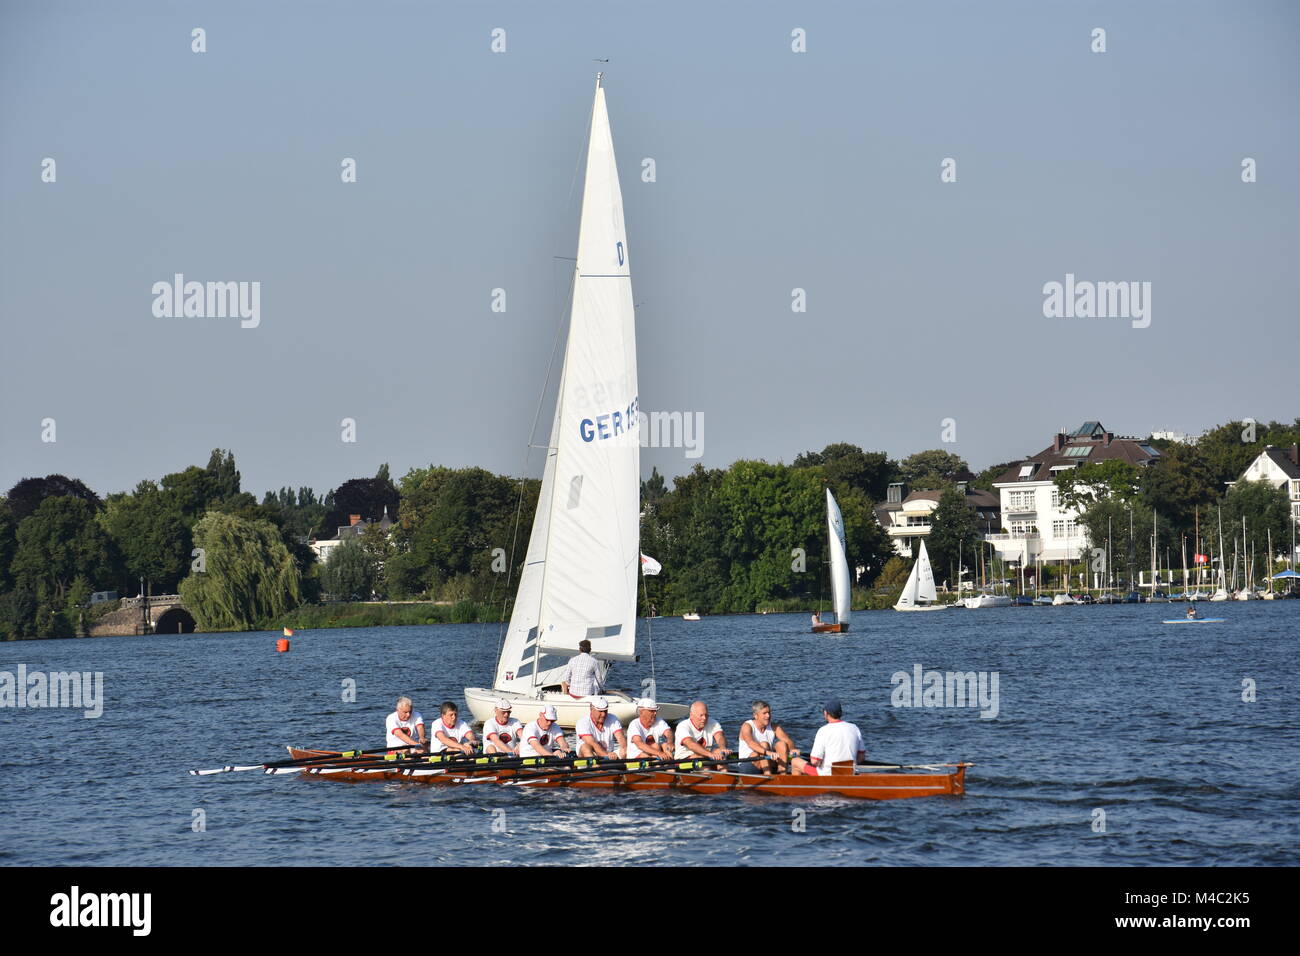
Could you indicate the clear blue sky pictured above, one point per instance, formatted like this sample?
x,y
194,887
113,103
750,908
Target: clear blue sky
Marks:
x,y
775,170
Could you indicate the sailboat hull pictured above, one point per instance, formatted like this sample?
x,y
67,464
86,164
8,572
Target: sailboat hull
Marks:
x,y
920,607
482,704
829,628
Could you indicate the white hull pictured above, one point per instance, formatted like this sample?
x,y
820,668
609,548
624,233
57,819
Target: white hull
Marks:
x,y
1247,596
920,607
1063,599
482,704
1219,595
690,617
988,600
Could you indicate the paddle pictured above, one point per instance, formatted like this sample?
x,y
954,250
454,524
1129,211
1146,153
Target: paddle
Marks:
x,y
301,760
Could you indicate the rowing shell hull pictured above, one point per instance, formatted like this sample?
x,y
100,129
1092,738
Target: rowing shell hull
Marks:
x,y
865,786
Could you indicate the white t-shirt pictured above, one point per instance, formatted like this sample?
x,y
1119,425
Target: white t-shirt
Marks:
x,y
510,730
456,732
393,722
658,731
834,742
605,737
764,736
702,736
583,676
547,738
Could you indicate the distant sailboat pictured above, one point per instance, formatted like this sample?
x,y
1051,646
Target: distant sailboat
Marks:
x,y
919,593
580,574
841,589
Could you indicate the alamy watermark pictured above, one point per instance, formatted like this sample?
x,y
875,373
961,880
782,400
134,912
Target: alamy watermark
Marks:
x,y
1084,299
922,688
75,689
179,299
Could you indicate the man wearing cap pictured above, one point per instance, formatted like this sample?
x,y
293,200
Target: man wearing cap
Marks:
x,y
501,731
404,725
600,734
451,733
837,741
582,677
649,737
764,743
697,732
543,737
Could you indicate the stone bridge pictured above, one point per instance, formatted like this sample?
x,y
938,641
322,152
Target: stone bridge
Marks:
x,y
166,614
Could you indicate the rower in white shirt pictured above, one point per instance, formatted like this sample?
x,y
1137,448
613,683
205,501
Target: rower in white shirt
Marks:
x,y
583,676
600,733
837,741
648,737
543,737
695,734
404,726
763,742
501,731
451,733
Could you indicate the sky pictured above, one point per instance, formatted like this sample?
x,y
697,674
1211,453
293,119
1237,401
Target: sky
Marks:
x,y
775,170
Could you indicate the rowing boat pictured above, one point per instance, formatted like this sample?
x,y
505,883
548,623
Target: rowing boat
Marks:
x,y
845,781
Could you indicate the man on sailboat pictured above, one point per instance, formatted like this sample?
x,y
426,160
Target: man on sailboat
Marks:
x,y
451,733
501,731
404,726
837,741
649,737
600,734
582,678
696,732
543,737
766,744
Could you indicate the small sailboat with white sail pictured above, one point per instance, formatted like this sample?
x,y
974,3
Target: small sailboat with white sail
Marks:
x,y
580,576
919,593
841,585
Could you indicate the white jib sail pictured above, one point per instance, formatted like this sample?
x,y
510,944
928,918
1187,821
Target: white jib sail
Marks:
x,y
592,548
839,561
908,597
925,591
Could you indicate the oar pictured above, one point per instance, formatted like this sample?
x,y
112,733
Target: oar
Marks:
x,y
300,760
871,765
631,767
445,763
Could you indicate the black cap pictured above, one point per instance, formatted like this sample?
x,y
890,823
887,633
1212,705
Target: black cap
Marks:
x,y
833,707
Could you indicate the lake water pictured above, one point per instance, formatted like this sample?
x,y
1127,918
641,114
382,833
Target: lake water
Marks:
x,y
1104,715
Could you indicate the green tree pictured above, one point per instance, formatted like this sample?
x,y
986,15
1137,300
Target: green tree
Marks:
x,y
150,535
930,464
954,531
848,466
250,577
1080,487
349,574
55,544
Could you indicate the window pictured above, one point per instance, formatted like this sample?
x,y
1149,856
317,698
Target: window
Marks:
x,y
1026,471
1078,451
1056,498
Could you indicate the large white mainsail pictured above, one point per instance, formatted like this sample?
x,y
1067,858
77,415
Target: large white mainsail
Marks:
x,y
840,585
580,575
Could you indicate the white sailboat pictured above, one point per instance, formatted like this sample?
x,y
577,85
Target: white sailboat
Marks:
x,y
919,593
579,579
841,589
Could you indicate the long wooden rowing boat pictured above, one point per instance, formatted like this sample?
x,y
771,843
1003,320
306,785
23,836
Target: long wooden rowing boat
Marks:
x,y
869,785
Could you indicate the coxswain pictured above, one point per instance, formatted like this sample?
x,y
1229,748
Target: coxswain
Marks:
x,y
764,743
835,742
649,737
582,676
543,737
405,726
697,736
451,733
501,731
600,733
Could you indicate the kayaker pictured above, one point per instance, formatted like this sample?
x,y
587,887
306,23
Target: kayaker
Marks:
x,y
600,733
648,736
582,677
697,732
543,737
837,741
501,731
1191,613
452,733
760,738
405,726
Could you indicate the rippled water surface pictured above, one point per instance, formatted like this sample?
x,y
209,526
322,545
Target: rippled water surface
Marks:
x,y
1102,710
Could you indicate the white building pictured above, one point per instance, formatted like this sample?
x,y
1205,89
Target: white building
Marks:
x,y
907,517
1280,467
1036,525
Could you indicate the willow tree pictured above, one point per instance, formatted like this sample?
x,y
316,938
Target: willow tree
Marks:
x,y
245,574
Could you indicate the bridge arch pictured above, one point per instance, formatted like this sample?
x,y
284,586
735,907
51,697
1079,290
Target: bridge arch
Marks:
x,y
174,620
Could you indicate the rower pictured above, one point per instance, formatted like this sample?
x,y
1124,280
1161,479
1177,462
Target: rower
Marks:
x,y
501,731
582,676
600,734
543,737
835,742
402,724
451,733
766,744
696,732
649,737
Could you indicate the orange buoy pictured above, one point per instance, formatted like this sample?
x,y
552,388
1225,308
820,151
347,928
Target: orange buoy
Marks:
x,y
282,645
288,632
